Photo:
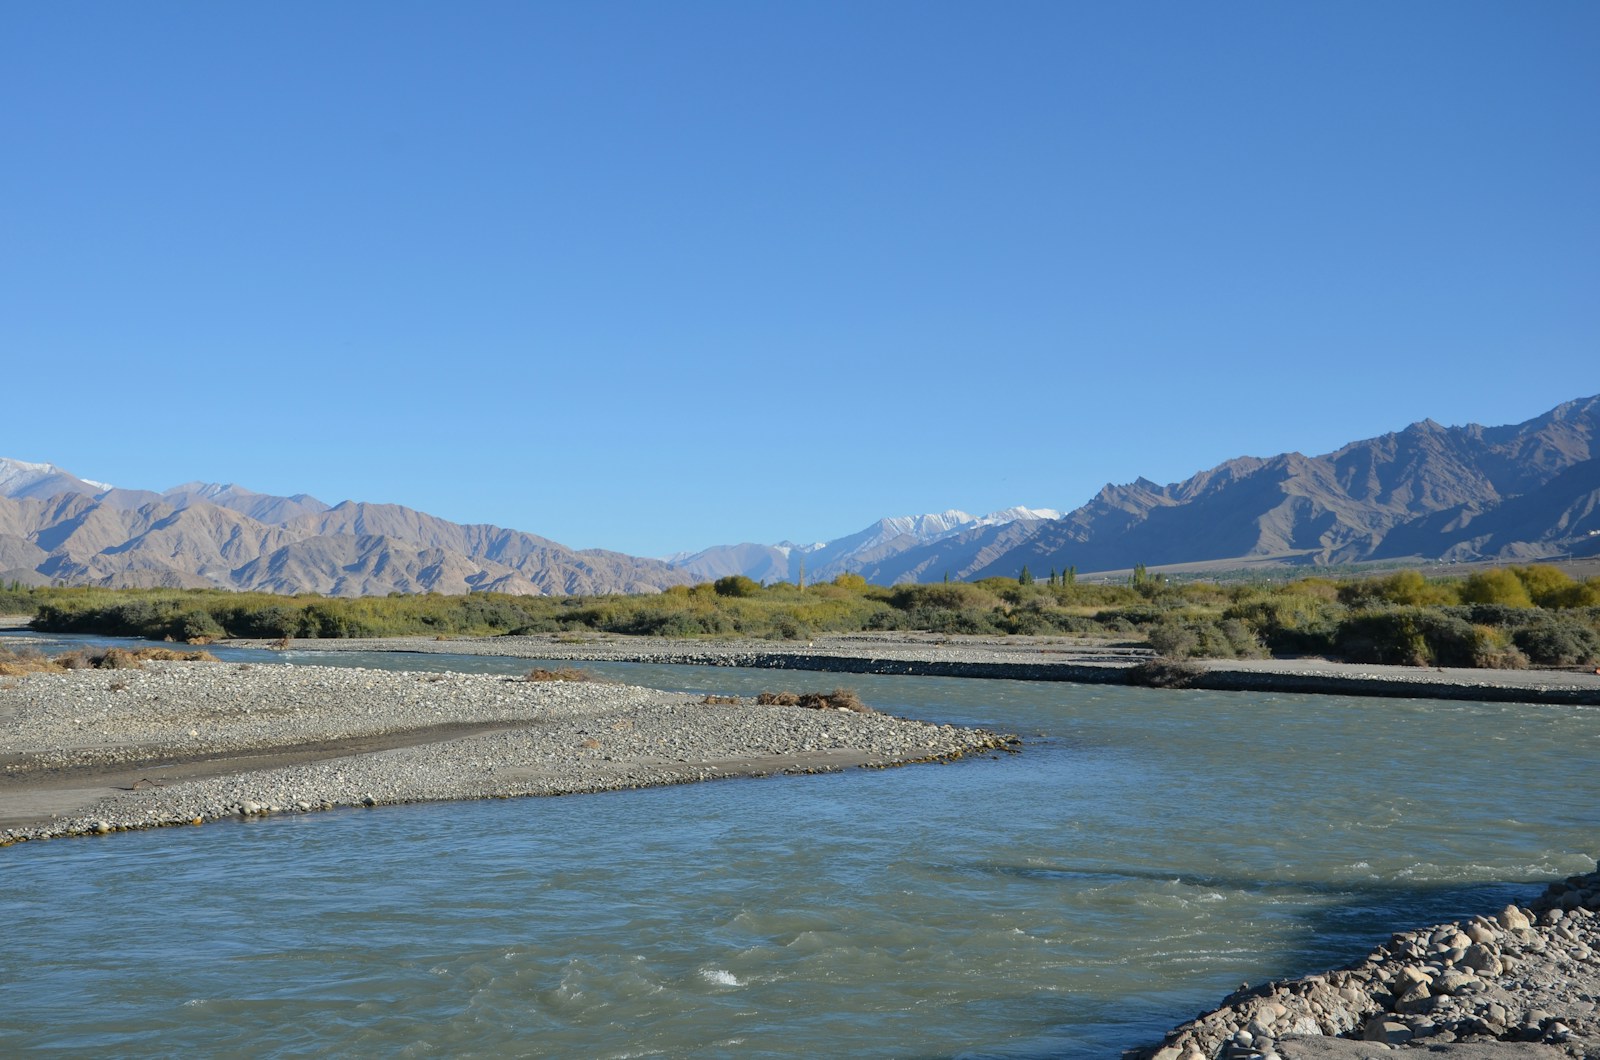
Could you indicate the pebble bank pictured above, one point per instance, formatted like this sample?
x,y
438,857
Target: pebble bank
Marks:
x,y
293,738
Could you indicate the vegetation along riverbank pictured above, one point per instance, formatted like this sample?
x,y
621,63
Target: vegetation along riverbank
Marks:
x,y
1498,619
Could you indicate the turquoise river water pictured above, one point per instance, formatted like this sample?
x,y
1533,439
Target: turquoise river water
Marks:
x,y
1144,854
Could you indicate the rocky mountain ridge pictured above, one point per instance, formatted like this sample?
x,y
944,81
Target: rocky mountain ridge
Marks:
x,y
56,527
1522,492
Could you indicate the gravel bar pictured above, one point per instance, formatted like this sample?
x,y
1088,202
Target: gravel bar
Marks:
x,y
96,751
1086,660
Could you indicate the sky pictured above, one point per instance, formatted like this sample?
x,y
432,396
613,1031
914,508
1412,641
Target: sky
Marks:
x,y
657,276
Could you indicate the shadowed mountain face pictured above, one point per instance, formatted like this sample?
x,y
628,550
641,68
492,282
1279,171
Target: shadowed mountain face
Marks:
x,y
1523,492
59,528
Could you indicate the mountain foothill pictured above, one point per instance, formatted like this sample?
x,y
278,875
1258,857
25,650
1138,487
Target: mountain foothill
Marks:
x,y
1524,492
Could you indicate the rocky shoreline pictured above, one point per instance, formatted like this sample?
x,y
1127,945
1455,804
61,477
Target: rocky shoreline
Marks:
x,y
1524,983
97,751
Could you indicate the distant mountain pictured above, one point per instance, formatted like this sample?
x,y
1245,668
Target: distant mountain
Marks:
x,y
56,527
18,478
826,560
1522,492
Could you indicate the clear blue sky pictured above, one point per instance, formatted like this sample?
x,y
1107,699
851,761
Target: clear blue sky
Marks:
x,y
655,276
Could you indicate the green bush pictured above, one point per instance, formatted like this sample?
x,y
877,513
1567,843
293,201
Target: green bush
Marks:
x,y
955,596
1559,641
1495,649
1406,636
1501,586
1290,623
736,585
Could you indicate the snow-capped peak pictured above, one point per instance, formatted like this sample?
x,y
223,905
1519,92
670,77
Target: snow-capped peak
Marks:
x,y
18,475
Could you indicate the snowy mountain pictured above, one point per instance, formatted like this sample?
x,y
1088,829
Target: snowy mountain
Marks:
x,y
826,560
18,478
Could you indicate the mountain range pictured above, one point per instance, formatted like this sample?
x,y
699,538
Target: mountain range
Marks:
x,y
825,560
1523,492
55,527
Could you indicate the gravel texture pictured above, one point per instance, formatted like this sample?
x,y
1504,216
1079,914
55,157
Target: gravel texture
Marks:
x,y
1524,983
180,743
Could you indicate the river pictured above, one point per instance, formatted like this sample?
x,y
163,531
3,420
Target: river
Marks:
x,y
1145,853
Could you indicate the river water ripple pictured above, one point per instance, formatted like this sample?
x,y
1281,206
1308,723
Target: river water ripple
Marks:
x,y
1147,852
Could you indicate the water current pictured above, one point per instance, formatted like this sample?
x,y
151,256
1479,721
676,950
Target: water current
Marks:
x,y
1146,853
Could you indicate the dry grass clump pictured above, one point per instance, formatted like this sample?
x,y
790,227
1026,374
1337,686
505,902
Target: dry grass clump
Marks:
x,y
838,699
32,661
27,661
123,659
565,673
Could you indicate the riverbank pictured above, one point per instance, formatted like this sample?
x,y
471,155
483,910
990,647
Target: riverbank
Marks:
x,y
96,751
1079,659
1524,983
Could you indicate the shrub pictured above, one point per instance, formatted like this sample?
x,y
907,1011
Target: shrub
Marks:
x,y
1547,586
1406,636
1290,623
736,585
1494,649
1558,641
955,596
789,627
1183,638
1495,587
198,625
1174,638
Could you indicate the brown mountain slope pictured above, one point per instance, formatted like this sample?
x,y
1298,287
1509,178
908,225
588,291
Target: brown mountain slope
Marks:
x,y
351,550
1335,508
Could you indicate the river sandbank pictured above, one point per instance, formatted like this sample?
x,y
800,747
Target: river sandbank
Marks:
x,y
1081,659
96,751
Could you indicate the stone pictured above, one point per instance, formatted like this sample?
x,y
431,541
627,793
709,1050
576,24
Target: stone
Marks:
x,y
1479,932
1482,958
1453,981
1410,977
1388,1031
1304,1025
1418,999
1513,919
